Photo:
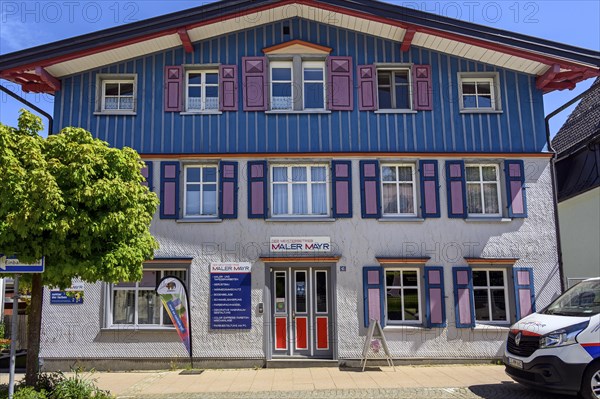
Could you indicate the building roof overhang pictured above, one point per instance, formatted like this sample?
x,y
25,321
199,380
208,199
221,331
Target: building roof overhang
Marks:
x,y
558,66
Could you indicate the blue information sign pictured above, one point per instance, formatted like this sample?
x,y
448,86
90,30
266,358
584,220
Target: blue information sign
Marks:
x,y
65,297
10,264
230,301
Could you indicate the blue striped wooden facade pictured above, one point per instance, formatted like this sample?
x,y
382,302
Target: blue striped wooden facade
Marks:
x,y
519,128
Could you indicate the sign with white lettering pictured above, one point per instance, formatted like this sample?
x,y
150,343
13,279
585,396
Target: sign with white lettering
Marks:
x,y
300,244
72,295
230,299
10,264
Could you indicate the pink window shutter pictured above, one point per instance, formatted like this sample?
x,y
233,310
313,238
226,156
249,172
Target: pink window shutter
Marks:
x,y
367,88
254,78
339,84
228,88
173,89
422,88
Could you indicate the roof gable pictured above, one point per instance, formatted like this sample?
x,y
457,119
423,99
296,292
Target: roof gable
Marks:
x,y
297,47
559,66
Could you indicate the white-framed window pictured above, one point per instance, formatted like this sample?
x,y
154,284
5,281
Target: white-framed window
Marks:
x,y
137,304
403,296
394,88
490,291
282,85
313,79
200,193
483,190
300,190
118,95
398,193
478,91
202,90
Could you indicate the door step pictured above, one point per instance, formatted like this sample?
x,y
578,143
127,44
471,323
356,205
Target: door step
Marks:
x,y
300,363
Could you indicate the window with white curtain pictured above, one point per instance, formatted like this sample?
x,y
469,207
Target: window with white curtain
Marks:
x,y
118,95
398,190
282,88
200,195
483,190
299,190
136,303
292,91
202,91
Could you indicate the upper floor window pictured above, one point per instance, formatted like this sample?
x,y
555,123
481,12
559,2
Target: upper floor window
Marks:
x,y
299,190
202,91
478,92
403,293
398,189
394,88
136,303
491,295
200,194
483,190
292,91
117,94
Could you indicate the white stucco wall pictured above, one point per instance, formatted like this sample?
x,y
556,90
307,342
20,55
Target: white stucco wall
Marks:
x,y
580,234
74,331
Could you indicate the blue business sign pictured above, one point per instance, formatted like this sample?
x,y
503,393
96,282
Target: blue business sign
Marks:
x,y
230,302
10,264
72,295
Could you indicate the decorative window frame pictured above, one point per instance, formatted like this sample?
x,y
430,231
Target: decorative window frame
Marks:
x,y
101,81
499,189
408,68
308,182
470,77
397,182
203,70
420,295
508,280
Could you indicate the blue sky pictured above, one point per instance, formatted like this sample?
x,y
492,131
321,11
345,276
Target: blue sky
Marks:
x,y
26,24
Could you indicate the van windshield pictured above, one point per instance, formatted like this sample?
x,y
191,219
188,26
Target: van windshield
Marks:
x,y
582,300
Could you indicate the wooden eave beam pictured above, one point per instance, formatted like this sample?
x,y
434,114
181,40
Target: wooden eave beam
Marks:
x,y
50,80
407,40
559,86
547,77
185,40
493,261
37,88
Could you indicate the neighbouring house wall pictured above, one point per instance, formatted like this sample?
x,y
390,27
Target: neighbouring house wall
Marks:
x,y
579,218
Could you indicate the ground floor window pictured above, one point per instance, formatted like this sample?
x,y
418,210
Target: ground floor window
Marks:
x,y
136,303
491,295
403,293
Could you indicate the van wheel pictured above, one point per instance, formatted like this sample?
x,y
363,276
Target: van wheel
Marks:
x,y
590,386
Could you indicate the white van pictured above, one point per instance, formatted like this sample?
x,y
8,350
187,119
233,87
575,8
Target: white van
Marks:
x,y
558,348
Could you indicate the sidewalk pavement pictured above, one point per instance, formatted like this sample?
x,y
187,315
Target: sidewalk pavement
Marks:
x,y
410,382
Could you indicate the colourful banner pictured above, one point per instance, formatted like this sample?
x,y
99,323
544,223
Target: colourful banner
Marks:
x,y
174,298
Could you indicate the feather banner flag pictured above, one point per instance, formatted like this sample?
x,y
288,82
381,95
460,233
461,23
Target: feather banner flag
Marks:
x,y
173,296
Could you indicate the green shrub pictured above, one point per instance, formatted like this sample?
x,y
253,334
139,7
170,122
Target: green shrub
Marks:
x,y
29,393
78,387
48,381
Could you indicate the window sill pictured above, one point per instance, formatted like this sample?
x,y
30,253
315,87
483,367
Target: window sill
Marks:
x,y
396,111
480,111
115,113
131,327
291,111
487,220
201,113
408,219
300,219
491,327
199,220
401,328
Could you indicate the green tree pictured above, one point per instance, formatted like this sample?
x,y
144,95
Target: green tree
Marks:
x,y
77,202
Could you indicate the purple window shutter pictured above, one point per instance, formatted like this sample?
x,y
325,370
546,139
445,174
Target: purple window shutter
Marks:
x,y
367,88
339,84
422,88
254,78
373,294
257,189
173,88
228,88
524,291
342,188
435,310
169,190
430,195
370,192
463,297
228,190
147,173
456,188
515,189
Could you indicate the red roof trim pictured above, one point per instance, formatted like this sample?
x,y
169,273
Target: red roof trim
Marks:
x,y
185,40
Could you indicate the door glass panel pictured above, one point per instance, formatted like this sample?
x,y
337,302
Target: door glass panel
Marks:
x,y
280,303
301,292
321,291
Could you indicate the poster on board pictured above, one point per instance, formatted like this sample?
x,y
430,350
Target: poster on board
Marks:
x,y
230,299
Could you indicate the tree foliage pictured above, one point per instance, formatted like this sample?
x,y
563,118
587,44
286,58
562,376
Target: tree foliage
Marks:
x,y
76,201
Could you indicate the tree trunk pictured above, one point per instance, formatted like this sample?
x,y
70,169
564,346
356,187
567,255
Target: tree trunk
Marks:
x,y
34,327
